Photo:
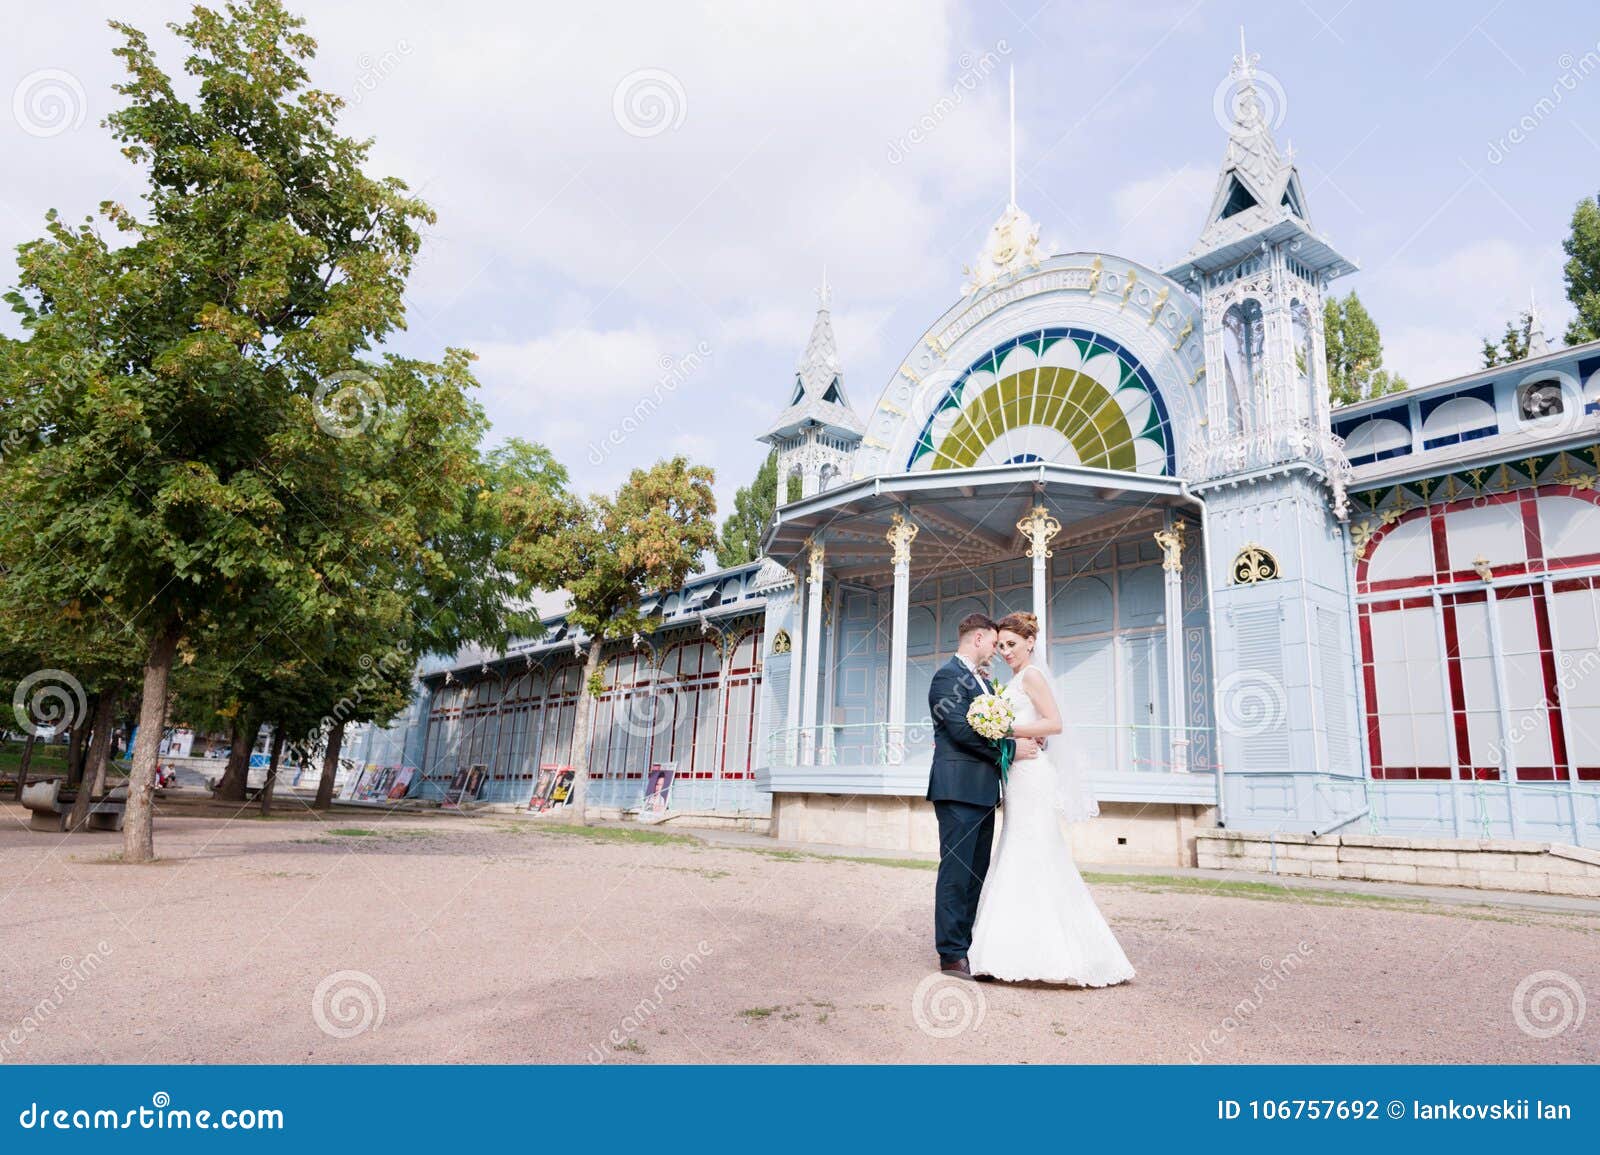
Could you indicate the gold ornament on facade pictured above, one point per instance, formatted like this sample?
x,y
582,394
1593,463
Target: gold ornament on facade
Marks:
x,y
814,576
782,643
1253,564
1161,303
1094,275
1039,527
1171,543
1485,570
900,536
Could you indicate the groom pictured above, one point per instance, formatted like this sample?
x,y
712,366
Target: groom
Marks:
x,y
964,787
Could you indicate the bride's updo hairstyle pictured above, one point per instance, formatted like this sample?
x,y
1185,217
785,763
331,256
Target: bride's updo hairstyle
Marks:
x,y
1023,625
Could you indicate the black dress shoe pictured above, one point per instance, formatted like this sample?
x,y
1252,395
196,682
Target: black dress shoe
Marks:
x,y
955,968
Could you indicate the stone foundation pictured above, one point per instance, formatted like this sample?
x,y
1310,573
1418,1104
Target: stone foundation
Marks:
x,y
1482,863
1136,833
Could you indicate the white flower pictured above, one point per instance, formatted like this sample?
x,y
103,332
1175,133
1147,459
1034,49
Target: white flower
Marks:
x,y
991,716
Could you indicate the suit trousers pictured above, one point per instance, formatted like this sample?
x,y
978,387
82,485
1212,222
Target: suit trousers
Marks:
x,y
966,836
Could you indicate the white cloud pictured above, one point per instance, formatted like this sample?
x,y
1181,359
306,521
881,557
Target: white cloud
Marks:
x,y
1435,314
1159,217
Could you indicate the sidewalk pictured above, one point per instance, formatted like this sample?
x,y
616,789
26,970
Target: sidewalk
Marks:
x,y
1452,895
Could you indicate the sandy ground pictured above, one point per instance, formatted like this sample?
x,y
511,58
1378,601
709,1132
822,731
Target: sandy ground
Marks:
x,y
493,939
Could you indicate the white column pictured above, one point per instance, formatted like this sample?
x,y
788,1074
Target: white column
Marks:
x,y
1171,542
1039,527
797,651
808,712
901,534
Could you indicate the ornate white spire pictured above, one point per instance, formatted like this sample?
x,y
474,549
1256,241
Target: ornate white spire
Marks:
x,y
1013,241
818,396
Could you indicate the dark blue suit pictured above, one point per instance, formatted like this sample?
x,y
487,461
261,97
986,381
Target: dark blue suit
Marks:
x,y
964,787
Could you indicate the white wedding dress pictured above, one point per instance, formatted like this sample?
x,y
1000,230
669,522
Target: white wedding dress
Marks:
x,y
1036,918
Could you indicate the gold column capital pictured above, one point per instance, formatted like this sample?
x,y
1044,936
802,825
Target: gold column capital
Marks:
x,y
900,536
1171,543
1039,526
816,555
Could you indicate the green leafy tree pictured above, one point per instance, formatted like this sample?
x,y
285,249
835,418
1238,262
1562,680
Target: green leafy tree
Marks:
x,y
608,552
1354,352
753,508
197,439
1513,344
1583,272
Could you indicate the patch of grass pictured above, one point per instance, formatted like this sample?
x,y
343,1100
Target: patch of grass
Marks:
x,y
354,832
823,1017
898,863
630,1045
615,834
1318,896
756,1014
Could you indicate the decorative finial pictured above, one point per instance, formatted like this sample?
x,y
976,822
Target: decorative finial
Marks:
x,y
1013,83
1244,63
824,293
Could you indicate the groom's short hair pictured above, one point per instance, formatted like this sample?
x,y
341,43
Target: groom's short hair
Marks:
x,y
972,623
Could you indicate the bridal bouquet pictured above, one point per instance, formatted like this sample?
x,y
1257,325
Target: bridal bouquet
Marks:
x,y
991,716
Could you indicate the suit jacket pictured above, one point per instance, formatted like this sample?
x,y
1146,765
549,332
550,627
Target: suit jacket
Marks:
x,y
966,765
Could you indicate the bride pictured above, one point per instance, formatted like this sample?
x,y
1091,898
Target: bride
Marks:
x,y
1036,919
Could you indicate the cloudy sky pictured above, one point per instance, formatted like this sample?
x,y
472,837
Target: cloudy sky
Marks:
x,y
638,193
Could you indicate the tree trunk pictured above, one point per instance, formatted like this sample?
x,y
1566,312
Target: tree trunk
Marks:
x,y
330,767
77,747
27,761
236,773
138,831
272,769
580,736
98,753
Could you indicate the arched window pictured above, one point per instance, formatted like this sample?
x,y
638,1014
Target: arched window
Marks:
x,y
1305,366
1242,335
739,706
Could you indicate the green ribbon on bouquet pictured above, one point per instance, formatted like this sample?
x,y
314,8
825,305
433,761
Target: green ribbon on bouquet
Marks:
x,y
1008,747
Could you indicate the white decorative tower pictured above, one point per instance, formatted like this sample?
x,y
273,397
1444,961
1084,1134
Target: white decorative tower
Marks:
x,y
817,434
1260,270
1273,478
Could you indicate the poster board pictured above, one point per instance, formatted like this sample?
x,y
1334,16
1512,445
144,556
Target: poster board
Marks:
x,y
658,787
553,788
465,785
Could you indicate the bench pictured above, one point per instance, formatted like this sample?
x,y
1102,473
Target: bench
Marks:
x,y
47,809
